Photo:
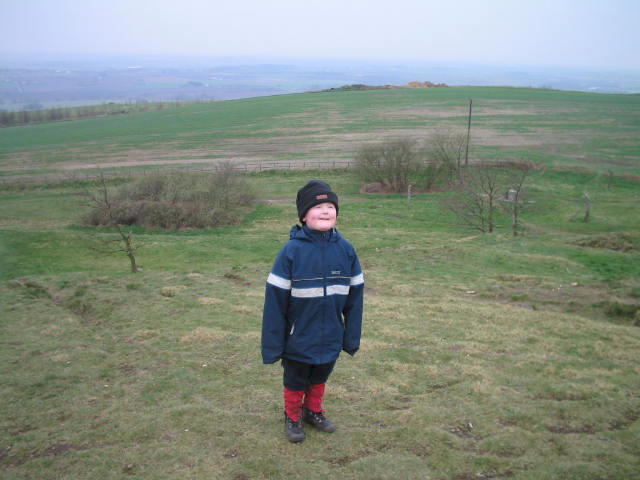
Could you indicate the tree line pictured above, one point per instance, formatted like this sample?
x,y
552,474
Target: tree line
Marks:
x,y
26,117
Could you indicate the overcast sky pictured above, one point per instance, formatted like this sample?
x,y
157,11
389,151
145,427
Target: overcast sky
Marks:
x,y
587,33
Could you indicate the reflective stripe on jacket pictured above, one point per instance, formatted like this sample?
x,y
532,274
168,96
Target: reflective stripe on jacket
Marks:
x,y
313,299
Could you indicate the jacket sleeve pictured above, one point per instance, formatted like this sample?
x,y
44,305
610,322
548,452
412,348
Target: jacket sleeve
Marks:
x,y
353,309
276,302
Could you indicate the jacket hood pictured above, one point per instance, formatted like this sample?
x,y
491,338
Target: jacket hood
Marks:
x,y
305,233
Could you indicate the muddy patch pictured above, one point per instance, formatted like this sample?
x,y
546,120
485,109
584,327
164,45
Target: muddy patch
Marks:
x,y
568,429
619,242
597,301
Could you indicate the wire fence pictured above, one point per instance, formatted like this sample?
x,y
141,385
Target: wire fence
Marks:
x,y
151,169
136,171
304,165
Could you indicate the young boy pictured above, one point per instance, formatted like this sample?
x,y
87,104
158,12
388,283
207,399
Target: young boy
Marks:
x,y
312,309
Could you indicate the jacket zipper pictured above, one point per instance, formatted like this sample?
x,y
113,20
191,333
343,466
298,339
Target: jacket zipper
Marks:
x,y
324,280
324,276
324,263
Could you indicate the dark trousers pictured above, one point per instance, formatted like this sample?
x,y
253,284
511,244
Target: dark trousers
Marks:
x,y
298,375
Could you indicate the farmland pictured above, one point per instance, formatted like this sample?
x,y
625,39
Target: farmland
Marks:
x,y
553,128
483,355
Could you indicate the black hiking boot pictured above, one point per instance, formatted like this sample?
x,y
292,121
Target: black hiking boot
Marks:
x,y
295,433
318,420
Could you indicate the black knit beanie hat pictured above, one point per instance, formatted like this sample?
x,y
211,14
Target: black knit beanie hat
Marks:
x,y
312,194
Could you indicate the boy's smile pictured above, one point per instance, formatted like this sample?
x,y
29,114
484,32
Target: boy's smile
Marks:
x,y
321,217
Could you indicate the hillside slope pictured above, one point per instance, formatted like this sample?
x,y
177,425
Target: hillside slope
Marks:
x,y
560,128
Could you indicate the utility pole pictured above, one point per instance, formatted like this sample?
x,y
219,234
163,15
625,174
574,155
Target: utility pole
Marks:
x,y
466,155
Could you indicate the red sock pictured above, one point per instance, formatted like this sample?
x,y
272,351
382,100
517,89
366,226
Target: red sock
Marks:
x,y
314,396
293,403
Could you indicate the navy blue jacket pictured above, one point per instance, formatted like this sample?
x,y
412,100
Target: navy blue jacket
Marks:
x,y
313,299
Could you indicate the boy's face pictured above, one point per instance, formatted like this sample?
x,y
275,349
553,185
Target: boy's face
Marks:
x,y
321,217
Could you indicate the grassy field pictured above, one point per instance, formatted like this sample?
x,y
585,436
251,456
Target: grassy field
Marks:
x,y
483,356
555,128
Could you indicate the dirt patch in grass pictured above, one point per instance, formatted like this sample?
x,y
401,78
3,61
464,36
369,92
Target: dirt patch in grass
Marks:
x,y
298,144
18,161
618,241
53,450
156,162
237,279
203,334
430,111
597,301
128,370
463,431
622,423
482,475
60,448
230,454
172,291
29,287
568,429
209,301
81,300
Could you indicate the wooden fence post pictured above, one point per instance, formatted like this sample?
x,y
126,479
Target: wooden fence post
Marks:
x,y
587,207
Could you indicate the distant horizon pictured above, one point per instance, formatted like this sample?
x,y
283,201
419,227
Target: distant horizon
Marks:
x,y
41,81
169,60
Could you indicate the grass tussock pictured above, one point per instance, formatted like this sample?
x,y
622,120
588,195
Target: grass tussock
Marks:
x,y
203,334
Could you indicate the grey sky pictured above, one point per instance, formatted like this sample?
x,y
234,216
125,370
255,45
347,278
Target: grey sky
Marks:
x,y
587,33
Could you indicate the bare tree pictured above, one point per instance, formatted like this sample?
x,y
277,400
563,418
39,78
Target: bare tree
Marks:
x,y
446,150
476,196
513,202
102,201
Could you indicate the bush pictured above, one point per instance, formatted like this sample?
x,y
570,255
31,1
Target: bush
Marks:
x,y
446,150
394,163
178,200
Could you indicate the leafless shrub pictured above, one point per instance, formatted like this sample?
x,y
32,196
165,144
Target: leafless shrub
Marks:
x,y
178,200
102,203
396,164
446,149
483,191
513,202
475,197
392,163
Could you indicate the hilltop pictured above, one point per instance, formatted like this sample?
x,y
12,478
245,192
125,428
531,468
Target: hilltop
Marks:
x,y
360,86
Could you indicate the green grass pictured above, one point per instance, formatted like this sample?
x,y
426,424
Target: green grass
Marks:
x,y
556,128
483,356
